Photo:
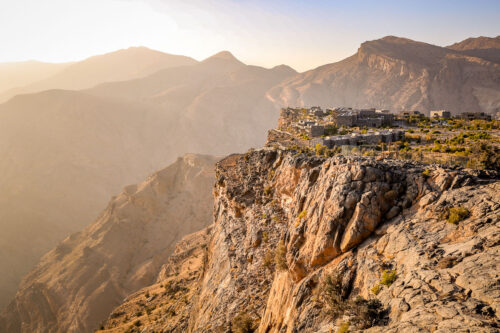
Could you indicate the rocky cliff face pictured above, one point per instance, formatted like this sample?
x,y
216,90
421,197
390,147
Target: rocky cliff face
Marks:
x,y
77,284
283,224
400,74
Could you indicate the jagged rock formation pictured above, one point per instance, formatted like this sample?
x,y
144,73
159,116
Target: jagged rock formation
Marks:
x,y
77,284
283,223
399,74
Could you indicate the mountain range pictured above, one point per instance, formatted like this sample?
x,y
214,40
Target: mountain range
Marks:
x,y
121,65
400,74
66,152
74,136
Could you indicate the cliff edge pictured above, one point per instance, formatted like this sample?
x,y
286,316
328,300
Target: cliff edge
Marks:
x,y
313,244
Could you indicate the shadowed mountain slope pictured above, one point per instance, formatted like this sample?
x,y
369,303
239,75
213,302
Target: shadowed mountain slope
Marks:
x,y
76,285
63,155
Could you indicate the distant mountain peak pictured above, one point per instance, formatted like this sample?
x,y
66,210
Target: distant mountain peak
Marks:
x,y
225,56
477,43
284,68
395,39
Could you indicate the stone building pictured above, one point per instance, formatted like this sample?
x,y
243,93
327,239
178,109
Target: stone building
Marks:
x,y
316,130
364,117
374,138
474,116
316,111
440,114
408,114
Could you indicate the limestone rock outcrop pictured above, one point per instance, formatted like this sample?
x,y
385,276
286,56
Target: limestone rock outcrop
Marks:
x,y
284,222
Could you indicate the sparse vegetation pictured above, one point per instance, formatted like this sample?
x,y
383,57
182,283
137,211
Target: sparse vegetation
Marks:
x,y
320,149
388,277
268,260
243,323
265,237
447,262
280,256
376,289
344,327
333,295
362,313
457,214
268,191
426,173
302,215
366,313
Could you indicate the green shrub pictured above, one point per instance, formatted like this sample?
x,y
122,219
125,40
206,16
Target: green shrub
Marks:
x,y
426,173
265,237
344,327
362,313
388,277
366,313
243,323
333,295
268,191
376,289
268,260
280,256
137,323
457,214
320,149
331,130
301,216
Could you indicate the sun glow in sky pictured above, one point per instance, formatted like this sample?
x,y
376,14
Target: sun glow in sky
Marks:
x,y
302,34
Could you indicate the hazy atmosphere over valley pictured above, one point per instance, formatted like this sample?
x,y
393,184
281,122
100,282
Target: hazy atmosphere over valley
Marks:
x,y
249,166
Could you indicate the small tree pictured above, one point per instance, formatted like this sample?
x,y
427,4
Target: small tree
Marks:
x,y
280,256
362,313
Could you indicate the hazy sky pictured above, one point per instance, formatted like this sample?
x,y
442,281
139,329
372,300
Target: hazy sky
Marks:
x,y
303,34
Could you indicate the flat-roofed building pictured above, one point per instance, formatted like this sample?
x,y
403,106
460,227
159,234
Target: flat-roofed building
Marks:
x,y
440,114
475,116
